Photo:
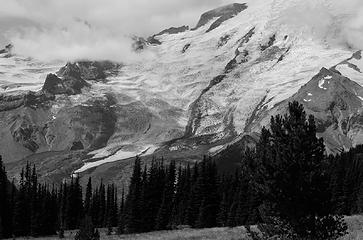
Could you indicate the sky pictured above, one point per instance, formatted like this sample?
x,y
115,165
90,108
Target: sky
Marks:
x,y
88,28
100,29
335,21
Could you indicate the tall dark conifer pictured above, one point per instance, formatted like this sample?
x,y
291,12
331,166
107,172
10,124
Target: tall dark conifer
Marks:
x,y
88,198
164,215
5,201
133,202
298,182
121,215
208,210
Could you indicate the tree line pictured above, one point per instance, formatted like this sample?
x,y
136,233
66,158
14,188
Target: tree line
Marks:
x,y
287,180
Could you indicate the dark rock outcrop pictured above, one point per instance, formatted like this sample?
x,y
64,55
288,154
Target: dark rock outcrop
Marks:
x,y
139,43
78,145
71,84
26,135
53,85
28,99
186,47
7,49
89,70
173,30
87,126
153,41
223,14
270,42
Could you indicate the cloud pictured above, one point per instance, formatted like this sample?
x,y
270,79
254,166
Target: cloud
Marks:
x,y
101,29
334,21
93,29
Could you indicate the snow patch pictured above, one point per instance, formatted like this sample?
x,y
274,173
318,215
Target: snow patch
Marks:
x,y
322,82
118,156
216,149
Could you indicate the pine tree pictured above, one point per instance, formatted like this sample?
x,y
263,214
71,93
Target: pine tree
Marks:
x,y
182,190
35,196
223,211
121,215
63,196
5,214
297,181
133,207
88,197
210,198
22,206
101,222
194,197
164,215
74,204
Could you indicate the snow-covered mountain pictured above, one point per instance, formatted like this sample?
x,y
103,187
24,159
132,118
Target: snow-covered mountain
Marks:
x,y
198,90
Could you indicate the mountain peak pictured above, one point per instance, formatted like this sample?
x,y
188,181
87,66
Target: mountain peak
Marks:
x,y
329,88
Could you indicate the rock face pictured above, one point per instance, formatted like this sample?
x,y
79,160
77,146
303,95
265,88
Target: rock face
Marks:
x,y
71,84
89,70
173,30
140,43
28,99
52,120
81,127
7,49
31,128
223,14
336,102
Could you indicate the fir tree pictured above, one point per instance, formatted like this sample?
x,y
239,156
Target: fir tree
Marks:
x,y
133,207
210,199
88,197
164,215
121,215
5,214
298,183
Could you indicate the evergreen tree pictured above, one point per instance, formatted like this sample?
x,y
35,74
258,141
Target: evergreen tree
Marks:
x,y
133,213
298,183
88,197
74,204
121,215
164,215
22,208
101,221
5,214
210,199
194,200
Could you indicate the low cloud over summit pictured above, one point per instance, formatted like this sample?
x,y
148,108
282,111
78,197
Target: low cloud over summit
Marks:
x,y
98,30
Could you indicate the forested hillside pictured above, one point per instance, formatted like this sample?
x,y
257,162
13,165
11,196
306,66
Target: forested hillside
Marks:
x,y
287,180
